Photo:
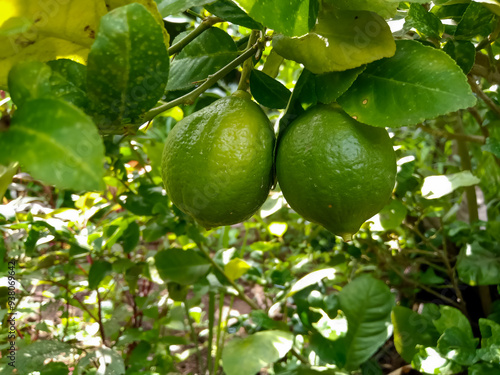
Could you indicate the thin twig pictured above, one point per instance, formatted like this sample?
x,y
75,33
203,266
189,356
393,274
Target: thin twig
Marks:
x,y
241,294
194,337
206,24
444,134
485,98
85,308
190,97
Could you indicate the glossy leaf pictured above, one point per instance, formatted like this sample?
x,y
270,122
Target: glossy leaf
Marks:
x,y
435,187
57,143
477,20
384,8
416,84
169,7
34,79
49,30
490,340
330,86
208,53
479,264
229,11
367,304
6,175
268,91
181,266
457,346
463,52
341,40
128,67
452,317
247,356
424,22
410,330
289,17
98,271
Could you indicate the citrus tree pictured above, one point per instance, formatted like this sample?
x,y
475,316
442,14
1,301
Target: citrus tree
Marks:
x,y
249,186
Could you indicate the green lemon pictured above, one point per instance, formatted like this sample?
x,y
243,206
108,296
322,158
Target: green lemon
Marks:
x,y
335,171
217,162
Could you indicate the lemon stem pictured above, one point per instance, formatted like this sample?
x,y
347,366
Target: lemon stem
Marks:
x,y
206,24
190,97
241,294
248,65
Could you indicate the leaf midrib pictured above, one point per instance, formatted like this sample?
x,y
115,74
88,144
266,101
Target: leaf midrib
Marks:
x,y
437,90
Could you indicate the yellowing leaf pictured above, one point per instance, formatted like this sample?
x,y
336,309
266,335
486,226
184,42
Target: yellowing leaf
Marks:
x,y
341,40
43,31
149,5
236,268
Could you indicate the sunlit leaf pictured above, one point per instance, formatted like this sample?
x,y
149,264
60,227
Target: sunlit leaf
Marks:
x,y
438,186
181,266
247,356
416,84
57,143
479,264
341,40
52,30
236,268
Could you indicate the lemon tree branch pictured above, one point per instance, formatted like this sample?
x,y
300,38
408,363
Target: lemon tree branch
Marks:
x,y
212,79
241,294
206,24
244,83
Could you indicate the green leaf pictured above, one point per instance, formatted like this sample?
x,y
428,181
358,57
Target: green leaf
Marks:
x,y
229,11
367,304
45,31
184,267
289,17
55,368
429,277
247,356
452,317
463,52
98,272
418,83
392,215
70,78
268,91
490,341
340,40
57,143
110,362
435,187
457,346
424,22
429,361
484,369
479,264
384,8
34,79
169,7
128,67
208,53
477,20
410,331
311,279
32,357
492,145
6,175
130,237
330,86
236,268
